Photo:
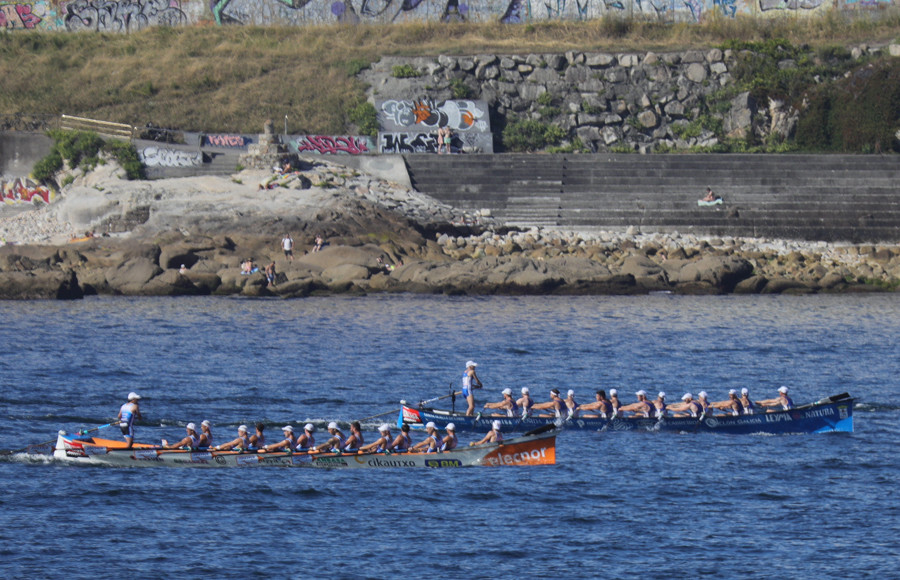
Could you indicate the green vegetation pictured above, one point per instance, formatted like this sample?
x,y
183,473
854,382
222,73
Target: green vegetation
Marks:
x,y
365,117
459,89
523,136
404,71
82,149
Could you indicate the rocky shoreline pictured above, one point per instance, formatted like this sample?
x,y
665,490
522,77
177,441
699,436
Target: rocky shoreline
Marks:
x,y
381,237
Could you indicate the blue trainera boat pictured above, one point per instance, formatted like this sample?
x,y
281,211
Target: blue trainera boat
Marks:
x,y
827,415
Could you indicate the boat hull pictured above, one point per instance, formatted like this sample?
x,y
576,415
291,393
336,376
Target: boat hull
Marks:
x,y
539,449
821,417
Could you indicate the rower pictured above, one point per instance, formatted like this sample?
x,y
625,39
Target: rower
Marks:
x,y
555,404
431,443
335,443
470,382
643,407
732,406
258,439
206,437
508,404
687,407
128,413
571,405
306,440
402,442
746,402
355,440
493,436
602,405
383,442
526,403
703,400
782,400
242,441
660,405
449,442
289,443
614,401
192,440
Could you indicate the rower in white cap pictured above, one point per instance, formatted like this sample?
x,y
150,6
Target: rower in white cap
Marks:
x,y
525,402
659,405
470,382
306,439
643,407
493,436
431,443
508,404
614,401
128,413
449,441
289,443
687,407
746,402
571,405
192,439
242,441
206,436
732,406
335,443
382,444
782,400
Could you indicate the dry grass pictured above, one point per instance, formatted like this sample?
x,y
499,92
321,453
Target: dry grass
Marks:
x,y
233,78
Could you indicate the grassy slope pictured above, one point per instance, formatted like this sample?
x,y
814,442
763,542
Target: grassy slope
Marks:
x,y
234,78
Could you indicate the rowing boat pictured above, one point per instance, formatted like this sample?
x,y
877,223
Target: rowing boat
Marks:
x,y
827,415
537,448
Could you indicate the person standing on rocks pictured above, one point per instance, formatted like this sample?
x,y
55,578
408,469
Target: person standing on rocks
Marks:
x,y
470,382
270,274
287,244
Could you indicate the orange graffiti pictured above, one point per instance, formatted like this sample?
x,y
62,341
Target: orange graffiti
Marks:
x,y
24,190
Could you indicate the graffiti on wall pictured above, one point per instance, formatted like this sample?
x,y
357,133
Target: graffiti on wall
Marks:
x,y
427,114
426,142
162,157
122,15
792,5
24,190
228,141
18,16
328,145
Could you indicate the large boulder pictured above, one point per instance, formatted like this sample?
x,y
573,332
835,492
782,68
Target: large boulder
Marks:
x,y
170,283
40,285
722,272
131,276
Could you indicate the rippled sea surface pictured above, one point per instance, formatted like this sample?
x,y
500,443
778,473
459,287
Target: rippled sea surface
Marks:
x,y
643,505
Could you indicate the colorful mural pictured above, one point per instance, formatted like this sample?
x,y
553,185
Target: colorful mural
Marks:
x,y
163,157
328,145
24,190
129,15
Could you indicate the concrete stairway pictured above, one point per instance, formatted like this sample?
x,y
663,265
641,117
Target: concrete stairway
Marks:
x,y
813,197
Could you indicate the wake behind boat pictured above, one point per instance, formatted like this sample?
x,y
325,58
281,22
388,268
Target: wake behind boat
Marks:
x,y
537,448
831,414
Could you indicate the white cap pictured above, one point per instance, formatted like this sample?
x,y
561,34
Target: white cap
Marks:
x,y
507,391
640,393
132,396
571,393
309,427
613,392
450,427
745,391
687,397
471,363
288,428
206,423
524,390
702,394
782,389
661,395
332,425
384,428
496,425
732,392
243,428
191,426
430,425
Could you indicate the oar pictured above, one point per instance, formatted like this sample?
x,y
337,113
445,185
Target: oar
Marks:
x,y
421,404
14,451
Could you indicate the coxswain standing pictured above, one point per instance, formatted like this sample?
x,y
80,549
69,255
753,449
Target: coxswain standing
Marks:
x,y
470,382
192,439
242,441
128,413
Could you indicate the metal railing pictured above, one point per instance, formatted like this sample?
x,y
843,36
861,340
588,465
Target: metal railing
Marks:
x,y
103,128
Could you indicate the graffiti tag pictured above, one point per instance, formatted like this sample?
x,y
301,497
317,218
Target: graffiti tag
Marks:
x,y
18,16
332,145
458,115
408,143
157,157
24,190
124,16
226,141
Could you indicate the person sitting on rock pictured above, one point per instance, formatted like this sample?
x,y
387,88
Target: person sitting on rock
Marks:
x,y
711,196
320,241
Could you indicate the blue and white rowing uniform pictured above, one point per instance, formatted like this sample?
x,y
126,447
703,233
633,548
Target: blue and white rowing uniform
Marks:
x,y
437,443
466,384
450,444
126,423
513,410
310,442
695,408
356,444
245,441
195,441
209,439
526,407
405,442
260,441
605,408
341,442
786,403
748,407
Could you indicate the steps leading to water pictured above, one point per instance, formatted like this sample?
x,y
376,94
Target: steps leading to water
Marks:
x,y
813,197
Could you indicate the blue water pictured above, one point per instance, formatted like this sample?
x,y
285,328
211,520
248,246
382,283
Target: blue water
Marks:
x,y
643,505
